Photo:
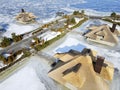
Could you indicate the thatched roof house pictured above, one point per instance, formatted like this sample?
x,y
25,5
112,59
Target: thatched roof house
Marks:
x,y
82,70
103,34
25,17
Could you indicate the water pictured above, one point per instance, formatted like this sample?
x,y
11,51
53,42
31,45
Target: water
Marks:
x,y
100,5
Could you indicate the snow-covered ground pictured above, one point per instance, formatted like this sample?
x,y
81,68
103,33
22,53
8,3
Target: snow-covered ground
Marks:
x,y
31,77
96,13
25,79
1,64
48,20
19,56
18,29
69,43
88,11
117,20
21,29
49,35
78,19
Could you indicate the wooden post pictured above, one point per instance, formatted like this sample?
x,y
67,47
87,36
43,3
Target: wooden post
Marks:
x,y
99,64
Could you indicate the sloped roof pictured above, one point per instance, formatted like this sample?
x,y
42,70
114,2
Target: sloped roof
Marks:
x,y
79,72
25,17
103,31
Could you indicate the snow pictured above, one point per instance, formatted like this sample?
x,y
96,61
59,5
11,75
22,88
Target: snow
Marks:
x,y
48,20
25,79
78,19
96,13
70,26
33,76
68,9
18,29
64,45
6,55
69,42
19,56
78,47
1,64
33,40
50,35
117,20
87,11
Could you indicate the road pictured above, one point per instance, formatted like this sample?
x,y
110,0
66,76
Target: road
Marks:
x,y
17,44
27,40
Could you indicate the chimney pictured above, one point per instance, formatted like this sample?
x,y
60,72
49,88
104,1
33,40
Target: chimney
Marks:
x,y
99,63
113,27
22,10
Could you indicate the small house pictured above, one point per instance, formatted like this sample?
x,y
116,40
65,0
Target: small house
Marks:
x,y
103,34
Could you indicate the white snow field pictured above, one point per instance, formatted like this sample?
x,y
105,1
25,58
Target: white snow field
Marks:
x,y
18,29
50,35
31,77
25,79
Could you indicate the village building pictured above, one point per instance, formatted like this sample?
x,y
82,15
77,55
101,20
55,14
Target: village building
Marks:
x,y
82,70
25,17
103,34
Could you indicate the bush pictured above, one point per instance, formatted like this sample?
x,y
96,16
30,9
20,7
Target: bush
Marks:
x,y
6,42
80,22
76,12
